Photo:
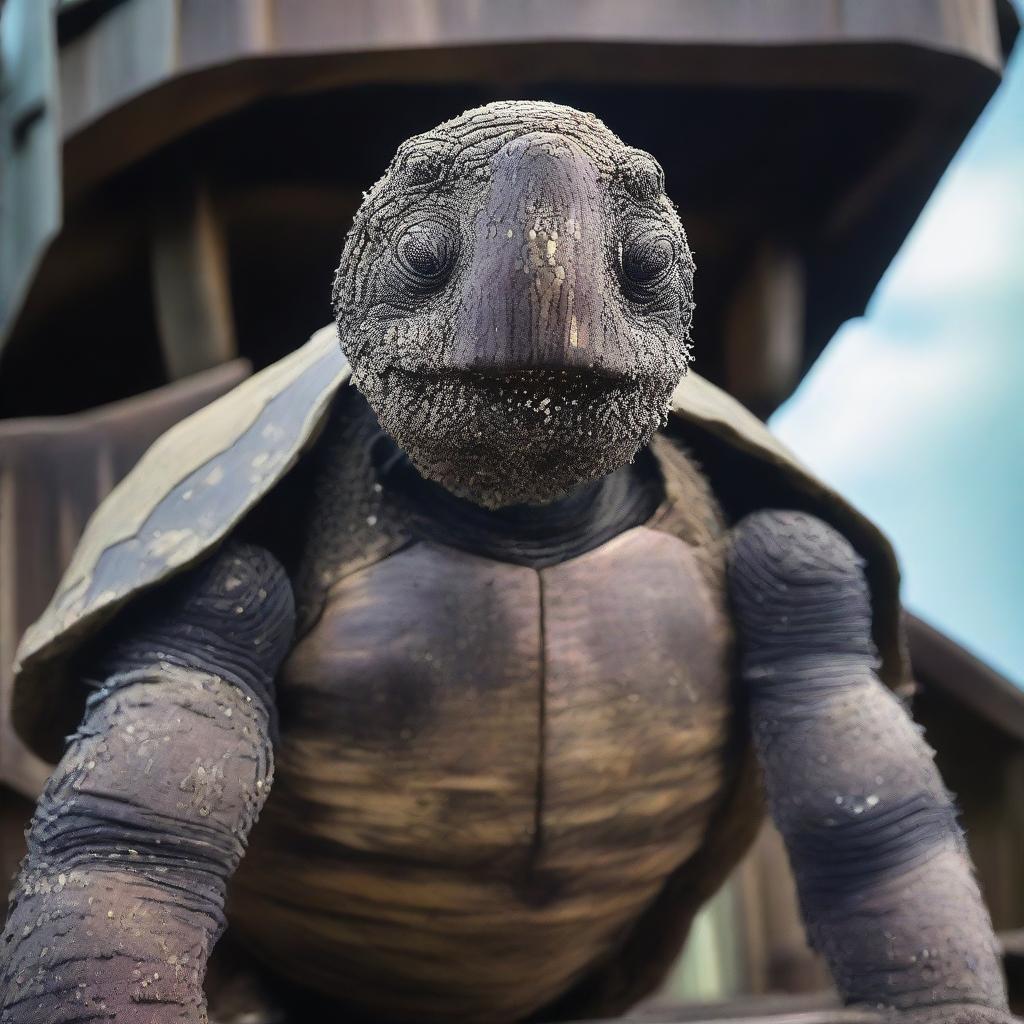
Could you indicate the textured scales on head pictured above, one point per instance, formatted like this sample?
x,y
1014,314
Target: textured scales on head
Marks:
x,y
515,298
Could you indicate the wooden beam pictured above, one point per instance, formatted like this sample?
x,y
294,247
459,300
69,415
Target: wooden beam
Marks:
x,y
942,663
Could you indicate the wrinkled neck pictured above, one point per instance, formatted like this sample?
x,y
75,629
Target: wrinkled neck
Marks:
x,y
534,535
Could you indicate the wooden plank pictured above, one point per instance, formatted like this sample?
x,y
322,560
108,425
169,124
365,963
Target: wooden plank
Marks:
x,y
810,1008
942,663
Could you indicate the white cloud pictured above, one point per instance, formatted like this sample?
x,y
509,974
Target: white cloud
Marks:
x,y
969,239
870,397
913,412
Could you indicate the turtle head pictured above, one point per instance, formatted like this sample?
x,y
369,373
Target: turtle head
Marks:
x,y
515,299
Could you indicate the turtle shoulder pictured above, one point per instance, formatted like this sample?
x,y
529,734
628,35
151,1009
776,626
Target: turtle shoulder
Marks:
x,y
748,469
181,500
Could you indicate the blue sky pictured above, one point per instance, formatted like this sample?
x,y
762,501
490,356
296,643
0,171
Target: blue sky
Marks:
x,y
916,410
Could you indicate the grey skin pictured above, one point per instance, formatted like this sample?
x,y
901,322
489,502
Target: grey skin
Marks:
x,y
501,392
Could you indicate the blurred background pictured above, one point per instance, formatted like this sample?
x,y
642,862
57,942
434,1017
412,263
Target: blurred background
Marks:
x,y
914,411
176,181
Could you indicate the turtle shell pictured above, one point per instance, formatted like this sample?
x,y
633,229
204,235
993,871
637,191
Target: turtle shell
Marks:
x,y
197,481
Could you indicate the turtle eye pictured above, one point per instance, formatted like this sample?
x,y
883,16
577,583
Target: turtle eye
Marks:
x,y
426,254
647,260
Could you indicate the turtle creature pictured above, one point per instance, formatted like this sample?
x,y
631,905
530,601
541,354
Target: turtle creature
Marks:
x,y
517,625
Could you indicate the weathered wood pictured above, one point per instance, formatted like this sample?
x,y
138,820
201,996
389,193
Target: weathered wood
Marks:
x,y
942,663
893,88
53,473
974,717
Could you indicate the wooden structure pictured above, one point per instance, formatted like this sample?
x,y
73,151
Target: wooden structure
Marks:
x,y
53,473
178,177
184,172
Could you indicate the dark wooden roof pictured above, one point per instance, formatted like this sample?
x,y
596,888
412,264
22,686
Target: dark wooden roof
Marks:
x,y
812,130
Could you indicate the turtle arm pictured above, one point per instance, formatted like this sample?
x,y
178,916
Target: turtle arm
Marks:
x,y
886,885
121,896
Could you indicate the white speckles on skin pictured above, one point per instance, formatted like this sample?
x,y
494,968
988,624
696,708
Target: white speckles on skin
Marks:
x,y
214,477
857,805
463,440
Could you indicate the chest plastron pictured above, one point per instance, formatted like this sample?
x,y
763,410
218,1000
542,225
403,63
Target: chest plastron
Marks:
x,y
486,773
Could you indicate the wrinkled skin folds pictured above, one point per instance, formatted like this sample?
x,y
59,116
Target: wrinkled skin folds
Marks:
x,y
886,885
121,897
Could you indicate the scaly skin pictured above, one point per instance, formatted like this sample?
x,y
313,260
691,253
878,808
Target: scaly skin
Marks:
x,y
121,896
885,881
515,297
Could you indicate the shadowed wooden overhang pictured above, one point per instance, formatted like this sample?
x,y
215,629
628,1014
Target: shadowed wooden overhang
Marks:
x,y
228,143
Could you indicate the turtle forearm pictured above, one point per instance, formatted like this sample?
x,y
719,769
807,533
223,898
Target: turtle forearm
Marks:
x,y
121,896
885,881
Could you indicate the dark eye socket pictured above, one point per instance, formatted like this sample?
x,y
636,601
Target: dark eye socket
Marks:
x,y
422,168
647,260
426,254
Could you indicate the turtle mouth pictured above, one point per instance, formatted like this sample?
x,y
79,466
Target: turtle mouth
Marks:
x,y
544,392
522,436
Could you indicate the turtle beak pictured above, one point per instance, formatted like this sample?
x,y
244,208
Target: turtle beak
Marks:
x,y
534,297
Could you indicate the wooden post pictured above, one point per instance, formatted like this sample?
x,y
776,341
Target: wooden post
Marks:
x,y
764,329
191,286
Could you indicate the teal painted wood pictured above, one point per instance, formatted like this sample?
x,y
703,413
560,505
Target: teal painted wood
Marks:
x,y
30,145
